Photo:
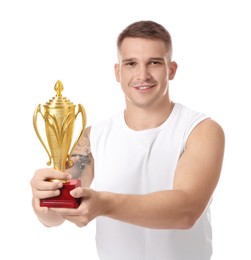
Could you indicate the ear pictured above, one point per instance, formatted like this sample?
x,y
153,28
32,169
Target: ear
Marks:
x,y
117,72
172,69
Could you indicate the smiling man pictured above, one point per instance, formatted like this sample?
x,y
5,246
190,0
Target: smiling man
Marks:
x,y
144,71
155,165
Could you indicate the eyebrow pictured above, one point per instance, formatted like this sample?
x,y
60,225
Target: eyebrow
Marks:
x,y
157,58
128,60
151,58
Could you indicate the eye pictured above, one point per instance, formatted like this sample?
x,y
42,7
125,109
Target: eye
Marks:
x,y
130,63
154,62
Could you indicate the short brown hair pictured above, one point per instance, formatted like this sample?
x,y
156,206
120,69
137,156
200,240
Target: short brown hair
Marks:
x,y
148,30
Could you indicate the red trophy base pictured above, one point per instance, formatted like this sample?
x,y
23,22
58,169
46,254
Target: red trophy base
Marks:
x,y
64,200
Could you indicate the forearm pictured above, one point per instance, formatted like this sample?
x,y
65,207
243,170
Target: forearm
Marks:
x,y
159,210
45,216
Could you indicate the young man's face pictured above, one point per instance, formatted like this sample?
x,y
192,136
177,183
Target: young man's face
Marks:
x,y
143,71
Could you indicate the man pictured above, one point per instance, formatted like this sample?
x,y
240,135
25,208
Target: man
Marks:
x,y
155,165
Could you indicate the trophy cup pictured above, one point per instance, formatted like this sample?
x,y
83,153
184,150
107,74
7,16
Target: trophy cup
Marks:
x,y
59,118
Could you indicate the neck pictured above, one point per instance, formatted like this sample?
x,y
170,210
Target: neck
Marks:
x,y
141,118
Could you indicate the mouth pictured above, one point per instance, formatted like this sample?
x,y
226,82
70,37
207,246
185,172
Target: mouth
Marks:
x,y
144,87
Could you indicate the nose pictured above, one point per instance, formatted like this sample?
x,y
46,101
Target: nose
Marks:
x,y
143,72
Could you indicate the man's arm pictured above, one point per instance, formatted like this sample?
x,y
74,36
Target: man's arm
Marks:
x,y
196,177
83,167
41,188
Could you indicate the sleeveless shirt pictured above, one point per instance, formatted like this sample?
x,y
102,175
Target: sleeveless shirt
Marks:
x,y
140,162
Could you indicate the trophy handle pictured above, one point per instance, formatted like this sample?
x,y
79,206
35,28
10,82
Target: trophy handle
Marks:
x,y
81,110
38,110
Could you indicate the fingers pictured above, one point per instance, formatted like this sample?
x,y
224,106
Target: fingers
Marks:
x,y
49,173
81,192
42,188
41,176
51,191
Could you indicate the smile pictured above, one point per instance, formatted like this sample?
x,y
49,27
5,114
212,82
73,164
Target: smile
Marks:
x,y
143,87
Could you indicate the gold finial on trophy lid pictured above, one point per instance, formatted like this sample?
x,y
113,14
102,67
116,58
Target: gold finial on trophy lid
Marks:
x,y
59,88
58,101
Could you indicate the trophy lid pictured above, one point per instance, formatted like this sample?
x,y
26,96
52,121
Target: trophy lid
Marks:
x,y
59,102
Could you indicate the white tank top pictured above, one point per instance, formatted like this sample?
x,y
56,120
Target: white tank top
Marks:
x,y
139,162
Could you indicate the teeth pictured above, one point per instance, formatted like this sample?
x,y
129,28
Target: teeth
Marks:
x,y
143,87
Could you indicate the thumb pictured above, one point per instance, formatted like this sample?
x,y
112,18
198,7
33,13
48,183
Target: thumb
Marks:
x,y
80,192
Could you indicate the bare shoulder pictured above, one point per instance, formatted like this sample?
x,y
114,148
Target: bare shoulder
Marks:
x,y
211,124
205,148
208,131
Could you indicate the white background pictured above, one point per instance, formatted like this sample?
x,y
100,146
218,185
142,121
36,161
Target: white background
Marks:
x,y
75,41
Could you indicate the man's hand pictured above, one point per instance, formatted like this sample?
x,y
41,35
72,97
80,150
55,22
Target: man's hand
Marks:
x,y
91,207
43,188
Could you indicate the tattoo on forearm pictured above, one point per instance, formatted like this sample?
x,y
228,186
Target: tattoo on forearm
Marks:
x,y
82,155
82,161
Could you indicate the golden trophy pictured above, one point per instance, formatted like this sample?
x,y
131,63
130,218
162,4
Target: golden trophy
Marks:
x,y
59,117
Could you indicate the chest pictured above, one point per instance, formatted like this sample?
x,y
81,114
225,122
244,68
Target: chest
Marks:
x,y
136,163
